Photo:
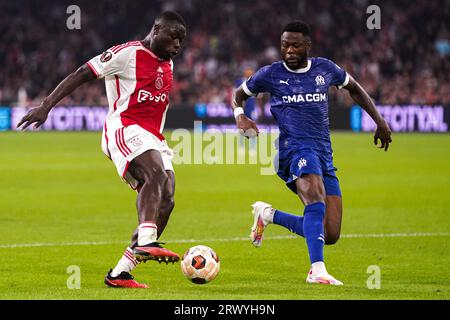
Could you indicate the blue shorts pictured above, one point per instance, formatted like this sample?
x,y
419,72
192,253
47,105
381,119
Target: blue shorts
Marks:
x,y
293,163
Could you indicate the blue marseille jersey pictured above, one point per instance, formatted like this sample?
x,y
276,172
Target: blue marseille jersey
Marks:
x,y
299,100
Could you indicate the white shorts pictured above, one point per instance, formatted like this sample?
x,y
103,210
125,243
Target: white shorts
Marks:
x,y
124,144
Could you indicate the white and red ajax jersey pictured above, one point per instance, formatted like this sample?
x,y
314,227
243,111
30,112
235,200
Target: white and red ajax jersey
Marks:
x,y
137,86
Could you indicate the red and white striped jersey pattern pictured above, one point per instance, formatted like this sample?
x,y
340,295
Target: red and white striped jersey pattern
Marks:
x,y
137,86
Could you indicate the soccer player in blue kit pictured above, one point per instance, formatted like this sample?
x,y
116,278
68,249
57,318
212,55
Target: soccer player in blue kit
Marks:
x,y
298,86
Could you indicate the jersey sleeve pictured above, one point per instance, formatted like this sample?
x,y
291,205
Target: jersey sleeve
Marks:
x,y
257,83
109,63
339,77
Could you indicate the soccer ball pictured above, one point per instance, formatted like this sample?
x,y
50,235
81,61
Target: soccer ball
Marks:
x,y
200,264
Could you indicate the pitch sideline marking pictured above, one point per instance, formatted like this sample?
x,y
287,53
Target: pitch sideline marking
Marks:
x,y
95,243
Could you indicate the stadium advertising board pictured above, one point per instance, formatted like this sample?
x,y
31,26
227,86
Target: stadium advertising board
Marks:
x,y
67,118
5,118
405,118
410,118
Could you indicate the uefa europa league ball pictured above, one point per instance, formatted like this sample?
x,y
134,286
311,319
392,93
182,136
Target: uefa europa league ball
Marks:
x,y
200,264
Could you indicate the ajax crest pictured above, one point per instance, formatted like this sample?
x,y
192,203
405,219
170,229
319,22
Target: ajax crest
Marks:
x,y
136,142
159,83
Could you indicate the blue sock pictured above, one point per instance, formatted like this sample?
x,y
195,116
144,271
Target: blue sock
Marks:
x,y
313,230
290,221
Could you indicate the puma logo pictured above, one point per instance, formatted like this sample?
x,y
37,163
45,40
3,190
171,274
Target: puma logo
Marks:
x,y
285,82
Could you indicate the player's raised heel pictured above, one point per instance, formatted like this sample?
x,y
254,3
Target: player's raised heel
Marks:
x,y
154,251
322,279
123,280
260,222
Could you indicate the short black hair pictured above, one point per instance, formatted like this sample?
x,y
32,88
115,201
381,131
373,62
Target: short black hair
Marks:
x,y
297,26
171,16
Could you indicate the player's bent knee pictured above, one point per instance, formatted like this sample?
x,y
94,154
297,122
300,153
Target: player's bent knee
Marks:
x,y
148,171
312,195
311,198
310,189
153,184
168,203
155,176
330,240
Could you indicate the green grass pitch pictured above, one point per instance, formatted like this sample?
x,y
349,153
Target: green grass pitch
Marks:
x,y
62,204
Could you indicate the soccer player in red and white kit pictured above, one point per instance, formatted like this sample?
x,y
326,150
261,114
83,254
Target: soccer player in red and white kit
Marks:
x,y
138,77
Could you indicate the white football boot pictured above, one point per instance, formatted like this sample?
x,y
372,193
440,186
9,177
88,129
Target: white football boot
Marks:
x,y
262,216
318,274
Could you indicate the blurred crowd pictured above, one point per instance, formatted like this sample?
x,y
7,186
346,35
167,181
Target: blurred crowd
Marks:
x,y
407,61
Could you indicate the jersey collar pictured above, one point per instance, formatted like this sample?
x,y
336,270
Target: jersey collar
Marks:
x,y
151,52
301,70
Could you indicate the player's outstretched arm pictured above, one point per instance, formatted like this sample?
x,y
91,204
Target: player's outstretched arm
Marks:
x,y
244,124
71,82
361,97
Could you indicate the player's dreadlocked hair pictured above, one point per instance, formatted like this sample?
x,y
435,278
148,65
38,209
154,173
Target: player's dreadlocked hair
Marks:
x,y
171,16
297,26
